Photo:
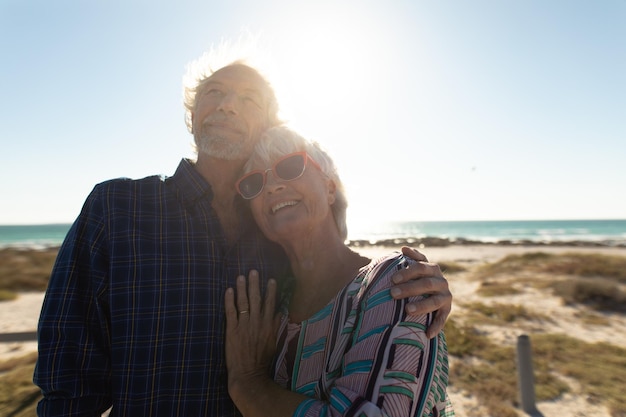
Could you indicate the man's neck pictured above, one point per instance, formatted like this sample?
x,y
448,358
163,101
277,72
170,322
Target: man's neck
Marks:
x,y
222,174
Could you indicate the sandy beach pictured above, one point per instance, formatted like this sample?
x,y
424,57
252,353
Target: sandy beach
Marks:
x,y
21,314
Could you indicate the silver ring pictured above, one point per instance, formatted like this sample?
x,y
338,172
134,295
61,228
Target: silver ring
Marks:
x,y
243,312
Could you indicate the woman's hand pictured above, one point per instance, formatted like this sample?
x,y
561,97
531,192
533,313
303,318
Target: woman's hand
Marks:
x,y
424,278
251,328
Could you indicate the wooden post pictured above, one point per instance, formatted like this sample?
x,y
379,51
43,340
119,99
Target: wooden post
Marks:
x,y
18,337
525,376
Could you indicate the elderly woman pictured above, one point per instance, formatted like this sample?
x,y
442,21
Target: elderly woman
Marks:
x,y
344,345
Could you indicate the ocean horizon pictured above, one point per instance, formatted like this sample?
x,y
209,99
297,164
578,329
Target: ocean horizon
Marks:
x,y
610,232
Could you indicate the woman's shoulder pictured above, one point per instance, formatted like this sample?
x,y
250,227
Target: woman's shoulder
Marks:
x,y
377,276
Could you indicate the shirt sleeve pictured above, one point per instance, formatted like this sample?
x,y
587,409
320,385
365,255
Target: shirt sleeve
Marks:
x,y
73,368
391,368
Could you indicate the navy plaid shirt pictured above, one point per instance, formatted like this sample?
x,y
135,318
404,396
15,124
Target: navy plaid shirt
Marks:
x,y
134,312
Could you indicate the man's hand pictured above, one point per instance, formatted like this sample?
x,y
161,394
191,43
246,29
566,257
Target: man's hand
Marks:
x,y
424,278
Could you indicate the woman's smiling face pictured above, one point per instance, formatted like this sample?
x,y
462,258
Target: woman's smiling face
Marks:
x,y
288,210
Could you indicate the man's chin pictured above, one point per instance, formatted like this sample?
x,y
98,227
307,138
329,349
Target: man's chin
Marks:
x,y
222,148
229,153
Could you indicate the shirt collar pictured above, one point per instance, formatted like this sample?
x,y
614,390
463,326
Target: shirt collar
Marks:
x,y
192,189
189,185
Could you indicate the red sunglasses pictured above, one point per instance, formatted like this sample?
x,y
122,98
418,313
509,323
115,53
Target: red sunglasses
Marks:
x,y
287,168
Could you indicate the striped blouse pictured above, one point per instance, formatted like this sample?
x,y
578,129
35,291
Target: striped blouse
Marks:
x,y
362,355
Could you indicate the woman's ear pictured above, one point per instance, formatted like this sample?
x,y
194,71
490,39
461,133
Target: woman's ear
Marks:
x,y
332,187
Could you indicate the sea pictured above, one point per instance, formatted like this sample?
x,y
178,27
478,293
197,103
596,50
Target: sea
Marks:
x,y
609,232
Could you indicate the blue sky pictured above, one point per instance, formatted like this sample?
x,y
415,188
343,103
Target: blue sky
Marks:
x,y
434,110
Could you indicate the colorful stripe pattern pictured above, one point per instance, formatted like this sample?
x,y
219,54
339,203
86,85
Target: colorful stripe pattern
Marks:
x,y
362,355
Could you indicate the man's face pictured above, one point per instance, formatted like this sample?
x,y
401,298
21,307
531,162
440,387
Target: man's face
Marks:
x,y
231,112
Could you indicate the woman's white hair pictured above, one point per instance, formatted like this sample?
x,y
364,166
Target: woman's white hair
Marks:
x,y
279,141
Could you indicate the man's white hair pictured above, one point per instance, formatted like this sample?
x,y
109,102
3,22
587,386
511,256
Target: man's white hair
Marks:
x,y
246,50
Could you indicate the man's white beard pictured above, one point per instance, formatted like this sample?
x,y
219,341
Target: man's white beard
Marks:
x,y
215,145
219,147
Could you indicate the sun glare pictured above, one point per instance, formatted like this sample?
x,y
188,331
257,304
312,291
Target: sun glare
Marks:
x,y
327,77
321,81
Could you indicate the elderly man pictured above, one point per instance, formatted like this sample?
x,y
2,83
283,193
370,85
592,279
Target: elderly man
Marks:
x,y
133,315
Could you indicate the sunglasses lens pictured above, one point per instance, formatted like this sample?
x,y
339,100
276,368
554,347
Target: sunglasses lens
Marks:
x,y
290,168
251,185
287,169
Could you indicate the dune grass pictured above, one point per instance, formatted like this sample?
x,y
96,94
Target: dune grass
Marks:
x,y
600,368
595,280
502,314
21,271
497,288
18,394
24,270
6,295
570,263
488,371
598,293
450,267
